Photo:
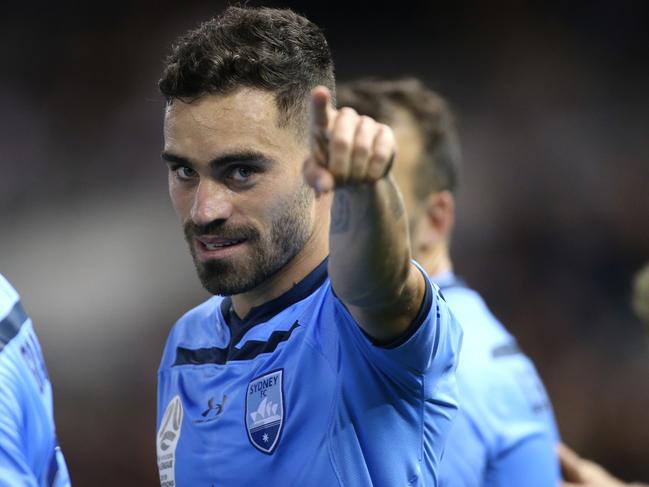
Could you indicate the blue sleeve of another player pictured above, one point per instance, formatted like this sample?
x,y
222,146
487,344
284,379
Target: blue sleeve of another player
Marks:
x,y
465,458
14,468
532,463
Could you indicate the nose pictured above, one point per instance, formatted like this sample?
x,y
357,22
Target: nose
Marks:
x,y
211,202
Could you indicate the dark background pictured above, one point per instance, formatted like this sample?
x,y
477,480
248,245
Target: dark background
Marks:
x,y
552,102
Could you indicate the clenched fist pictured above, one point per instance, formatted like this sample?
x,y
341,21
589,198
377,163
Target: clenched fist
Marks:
x,y
346,148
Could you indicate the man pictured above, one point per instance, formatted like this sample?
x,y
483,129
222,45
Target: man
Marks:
x,y
505,433
581,471
313,370
640,298
29,453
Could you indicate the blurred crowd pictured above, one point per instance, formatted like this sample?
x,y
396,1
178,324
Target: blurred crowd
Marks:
x,y
553,217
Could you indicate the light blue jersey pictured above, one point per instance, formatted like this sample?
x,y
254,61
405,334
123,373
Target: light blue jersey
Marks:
x,y
297,395
29,453
505,433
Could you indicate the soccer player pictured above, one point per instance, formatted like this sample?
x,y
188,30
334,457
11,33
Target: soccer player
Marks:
x,y
29,452
641,294
330,360
505,433
581,471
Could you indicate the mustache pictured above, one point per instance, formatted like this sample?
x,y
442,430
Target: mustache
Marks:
x,y
218,228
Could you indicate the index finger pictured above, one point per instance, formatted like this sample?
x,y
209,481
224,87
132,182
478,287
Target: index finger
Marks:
x,y
320,107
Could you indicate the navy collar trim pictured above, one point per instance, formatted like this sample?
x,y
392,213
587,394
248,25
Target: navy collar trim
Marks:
x,y
264,312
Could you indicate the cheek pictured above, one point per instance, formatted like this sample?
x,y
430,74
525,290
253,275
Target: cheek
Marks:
x,y
181,198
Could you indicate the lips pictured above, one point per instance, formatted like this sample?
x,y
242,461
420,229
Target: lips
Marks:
x,y
212,246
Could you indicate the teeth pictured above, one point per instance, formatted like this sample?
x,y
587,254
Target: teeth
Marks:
x,y
210,246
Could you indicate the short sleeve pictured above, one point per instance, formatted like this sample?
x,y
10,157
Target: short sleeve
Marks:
x,y
431,344
14,468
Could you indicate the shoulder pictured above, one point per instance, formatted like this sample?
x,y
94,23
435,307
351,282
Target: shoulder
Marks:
x,y
484,334
196,329
501,389
468,306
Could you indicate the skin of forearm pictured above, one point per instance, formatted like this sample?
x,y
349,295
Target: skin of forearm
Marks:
x,y
369,264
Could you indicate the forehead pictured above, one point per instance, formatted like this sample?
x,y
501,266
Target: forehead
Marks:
x,y
216,124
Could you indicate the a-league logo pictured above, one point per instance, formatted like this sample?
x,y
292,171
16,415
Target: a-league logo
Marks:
x,y
265,410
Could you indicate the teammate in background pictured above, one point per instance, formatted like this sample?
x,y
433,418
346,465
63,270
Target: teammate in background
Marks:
x,y
580,471
29,452
641,294
331,360
505,433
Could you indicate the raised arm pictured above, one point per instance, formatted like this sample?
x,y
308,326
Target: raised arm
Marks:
x,y
369,263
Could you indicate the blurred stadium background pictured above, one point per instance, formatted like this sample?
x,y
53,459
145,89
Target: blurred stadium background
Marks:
x,y
553,108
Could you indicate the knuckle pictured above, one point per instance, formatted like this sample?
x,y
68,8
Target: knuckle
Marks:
x,y
362,149
340,142
366,123
387,133
347,111
382,154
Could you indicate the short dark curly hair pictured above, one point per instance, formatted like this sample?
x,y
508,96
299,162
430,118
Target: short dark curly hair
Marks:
x,y
270,49
440,163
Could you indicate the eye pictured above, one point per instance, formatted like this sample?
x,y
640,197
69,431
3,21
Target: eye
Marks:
x,y
184,173
241,173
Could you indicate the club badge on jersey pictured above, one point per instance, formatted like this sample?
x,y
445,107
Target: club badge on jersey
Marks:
x,y
265,410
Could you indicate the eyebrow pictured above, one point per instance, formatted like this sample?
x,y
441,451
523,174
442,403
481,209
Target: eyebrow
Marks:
x,y
224,160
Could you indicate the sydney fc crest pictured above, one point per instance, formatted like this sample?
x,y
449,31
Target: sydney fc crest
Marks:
x,y
265,410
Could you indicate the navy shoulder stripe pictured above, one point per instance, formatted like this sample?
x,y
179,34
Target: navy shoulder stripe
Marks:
x,y
216,355
10,324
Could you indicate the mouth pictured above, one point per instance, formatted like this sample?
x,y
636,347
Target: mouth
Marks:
x,y
210,247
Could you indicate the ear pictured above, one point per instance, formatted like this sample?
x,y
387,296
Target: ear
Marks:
x,y
435,223
440,213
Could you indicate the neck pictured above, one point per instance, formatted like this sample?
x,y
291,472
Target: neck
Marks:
x,y
435,260
315,250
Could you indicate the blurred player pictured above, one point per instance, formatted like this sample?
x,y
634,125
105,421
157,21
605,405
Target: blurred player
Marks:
x,y
641,294
580,471
29,453
505,433
314,370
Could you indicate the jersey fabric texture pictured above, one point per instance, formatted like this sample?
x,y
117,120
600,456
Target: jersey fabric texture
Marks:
x,y
29,453
505,433
297,395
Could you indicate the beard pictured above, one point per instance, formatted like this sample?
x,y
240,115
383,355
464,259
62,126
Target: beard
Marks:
x,y
290,228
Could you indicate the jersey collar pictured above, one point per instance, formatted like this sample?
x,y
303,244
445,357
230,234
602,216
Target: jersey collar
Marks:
x,y
264,312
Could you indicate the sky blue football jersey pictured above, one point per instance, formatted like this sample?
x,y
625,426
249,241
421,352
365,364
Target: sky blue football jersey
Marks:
x,y
505,433
29,453
297,395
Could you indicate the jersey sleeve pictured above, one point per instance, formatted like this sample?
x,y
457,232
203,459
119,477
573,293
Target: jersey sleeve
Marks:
x,y
532,462
465,458
429,346
29,455
524,450
14,467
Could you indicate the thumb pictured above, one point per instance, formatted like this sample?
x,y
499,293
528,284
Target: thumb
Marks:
x,y
317,176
